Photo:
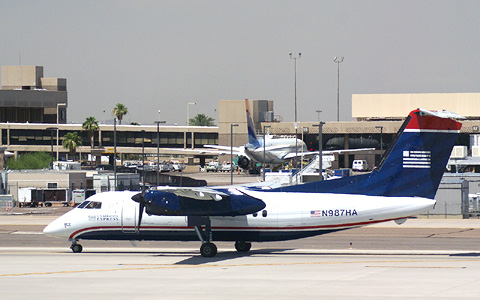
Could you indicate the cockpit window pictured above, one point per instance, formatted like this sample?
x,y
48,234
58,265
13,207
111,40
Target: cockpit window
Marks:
x,y
94,204
90,205
83,204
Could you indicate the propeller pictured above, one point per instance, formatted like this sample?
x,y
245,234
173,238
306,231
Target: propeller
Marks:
x,y
140,199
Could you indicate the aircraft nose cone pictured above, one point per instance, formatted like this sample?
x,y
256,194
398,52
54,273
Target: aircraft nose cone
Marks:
x,y
54,229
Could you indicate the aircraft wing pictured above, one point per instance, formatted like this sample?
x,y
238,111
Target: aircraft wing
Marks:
x,y
341,151
195,193
218,151
328,152
224,150
206,202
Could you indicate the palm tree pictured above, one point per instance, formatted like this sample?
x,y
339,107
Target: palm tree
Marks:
x,y
71,141
91,125
119,111
201,120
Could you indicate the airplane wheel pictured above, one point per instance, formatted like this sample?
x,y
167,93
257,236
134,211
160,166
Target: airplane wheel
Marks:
x,y
208,250
77,248
242,246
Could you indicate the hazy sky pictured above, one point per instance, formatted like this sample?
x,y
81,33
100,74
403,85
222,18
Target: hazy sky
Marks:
x,y
152,55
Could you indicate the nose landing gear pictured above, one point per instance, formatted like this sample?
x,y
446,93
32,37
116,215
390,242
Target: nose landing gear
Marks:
x,y
76,248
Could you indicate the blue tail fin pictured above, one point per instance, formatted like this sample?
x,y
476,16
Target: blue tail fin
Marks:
x,y
252,137
413,166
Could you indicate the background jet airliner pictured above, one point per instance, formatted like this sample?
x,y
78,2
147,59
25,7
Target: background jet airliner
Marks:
x,y
403,185
276,150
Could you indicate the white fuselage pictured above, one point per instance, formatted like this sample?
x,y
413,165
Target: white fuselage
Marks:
x,y
275,150
286,216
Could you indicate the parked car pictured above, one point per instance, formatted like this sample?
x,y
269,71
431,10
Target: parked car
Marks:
x,y
226,167
165,167
360,165
178,166
212,166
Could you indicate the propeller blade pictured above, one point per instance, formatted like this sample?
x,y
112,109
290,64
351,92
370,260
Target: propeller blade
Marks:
x,y
140,199
140,214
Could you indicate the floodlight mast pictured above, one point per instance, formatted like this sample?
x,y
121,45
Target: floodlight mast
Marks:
x,y
338,61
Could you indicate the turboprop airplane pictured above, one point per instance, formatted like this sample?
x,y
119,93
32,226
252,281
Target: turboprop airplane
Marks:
x,y
403,185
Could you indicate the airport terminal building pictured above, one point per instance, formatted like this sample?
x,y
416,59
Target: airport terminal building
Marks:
x,y
33,117
33,114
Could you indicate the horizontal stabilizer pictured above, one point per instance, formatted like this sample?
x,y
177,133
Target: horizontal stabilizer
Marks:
x,y
444,114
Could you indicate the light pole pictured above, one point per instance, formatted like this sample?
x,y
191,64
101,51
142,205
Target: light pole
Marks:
x,y
304,130
320,146
143,161
381,137
51,145
231,152
188,111
264,142
114,154
318,113
295,57
58,105
338,61
320,149
158,147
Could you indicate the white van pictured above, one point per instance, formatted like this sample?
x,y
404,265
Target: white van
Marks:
x,y
360,165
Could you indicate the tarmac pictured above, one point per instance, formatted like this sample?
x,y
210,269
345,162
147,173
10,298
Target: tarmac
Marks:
x,y
434,258
420,259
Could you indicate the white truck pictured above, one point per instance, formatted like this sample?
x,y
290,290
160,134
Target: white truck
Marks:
x,y
28,197
78,196
34,197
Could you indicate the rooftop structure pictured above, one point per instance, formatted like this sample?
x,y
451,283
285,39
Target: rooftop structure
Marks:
x,y
27,96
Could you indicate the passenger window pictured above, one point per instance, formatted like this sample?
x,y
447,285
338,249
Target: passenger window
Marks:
x,y
264,213
255,215
83,204
94,205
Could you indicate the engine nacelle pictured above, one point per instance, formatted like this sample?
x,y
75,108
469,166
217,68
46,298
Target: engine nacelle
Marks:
x,y
169,204
243,162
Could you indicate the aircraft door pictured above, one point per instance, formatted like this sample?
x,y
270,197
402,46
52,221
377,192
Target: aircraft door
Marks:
x,y
129,215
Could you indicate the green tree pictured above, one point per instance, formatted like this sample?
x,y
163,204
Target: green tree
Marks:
x,y
201,120
32,160
91,126
71,141
119,111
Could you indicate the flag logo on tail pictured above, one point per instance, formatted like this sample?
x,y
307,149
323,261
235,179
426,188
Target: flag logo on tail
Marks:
x,y
417,159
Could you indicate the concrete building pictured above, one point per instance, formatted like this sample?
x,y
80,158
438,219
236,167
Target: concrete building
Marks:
x,y
234,112
26,96
397,106
378,118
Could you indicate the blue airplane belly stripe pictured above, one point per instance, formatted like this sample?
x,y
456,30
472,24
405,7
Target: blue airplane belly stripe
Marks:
x,y
162,232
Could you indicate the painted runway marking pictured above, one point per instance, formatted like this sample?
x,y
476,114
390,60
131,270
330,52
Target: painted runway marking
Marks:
x,y
170,266
27,232
415,267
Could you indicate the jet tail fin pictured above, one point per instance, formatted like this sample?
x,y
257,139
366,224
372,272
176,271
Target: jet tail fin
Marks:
x,y
412,167
252,137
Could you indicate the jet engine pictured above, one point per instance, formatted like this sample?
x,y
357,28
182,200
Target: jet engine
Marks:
x,y
243,162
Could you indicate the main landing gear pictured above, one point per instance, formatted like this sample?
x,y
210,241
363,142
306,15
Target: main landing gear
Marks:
x,y
209,249
76,248
242,246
